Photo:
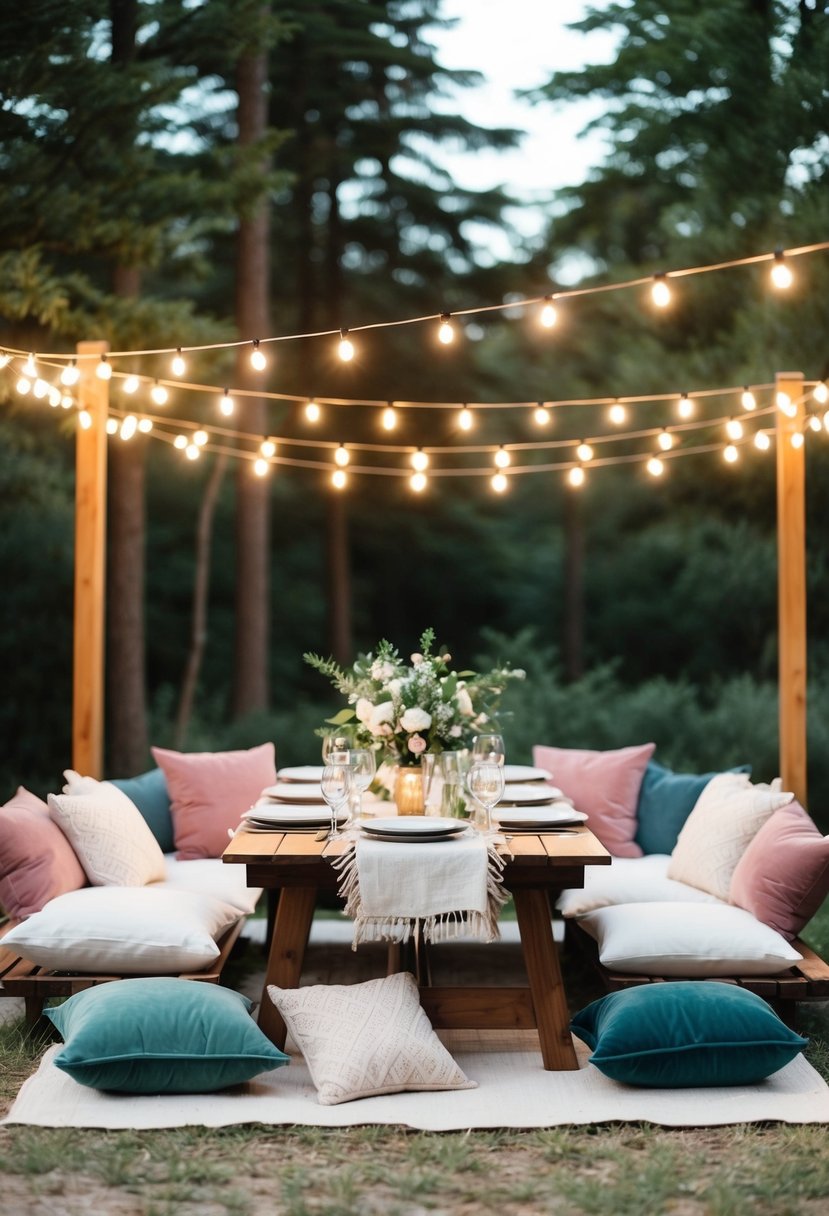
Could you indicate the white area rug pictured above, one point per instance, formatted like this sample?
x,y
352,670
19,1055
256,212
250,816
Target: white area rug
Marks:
x,y
513,1091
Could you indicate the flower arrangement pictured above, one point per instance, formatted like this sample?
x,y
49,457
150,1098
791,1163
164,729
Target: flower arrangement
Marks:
x,y
405,709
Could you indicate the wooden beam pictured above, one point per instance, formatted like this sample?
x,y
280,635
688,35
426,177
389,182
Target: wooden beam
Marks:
x,y
90,566
791,587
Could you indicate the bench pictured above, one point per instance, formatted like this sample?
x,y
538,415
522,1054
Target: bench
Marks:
x,y
35,984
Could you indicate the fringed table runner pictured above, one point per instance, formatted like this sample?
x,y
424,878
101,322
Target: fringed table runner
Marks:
x,y
393,891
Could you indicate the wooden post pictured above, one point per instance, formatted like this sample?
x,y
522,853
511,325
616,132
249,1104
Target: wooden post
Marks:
x,y
90,567
791,587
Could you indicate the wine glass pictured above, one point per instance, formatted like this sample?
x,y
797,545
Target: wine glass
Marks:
x,y
336,786
363,767
333,742
485,782
489,748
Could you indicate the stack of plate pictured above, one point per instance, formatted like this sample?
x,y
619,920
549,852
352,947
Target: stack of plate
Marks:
x,y
525,772
414,828
293,805
301,773
532,795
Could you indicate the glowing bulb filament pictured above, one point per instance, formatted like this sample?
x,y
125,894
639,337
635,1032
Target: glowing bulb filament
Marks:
x,y
665,440
549,315
584,452
420,461
655,466
466,419
178,365
685,407
389,418
446,332
660,291
617,414
499,483
257,357
313,413
341,456
541,415
781,275
748,400
502,458
227,404
346,347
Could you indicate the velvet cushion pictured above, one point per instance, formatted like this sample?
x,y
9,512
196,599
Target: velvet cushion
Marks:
x,y
209,791
149,793
161,1036
605,785
685,1035
37,862
783,876
666,799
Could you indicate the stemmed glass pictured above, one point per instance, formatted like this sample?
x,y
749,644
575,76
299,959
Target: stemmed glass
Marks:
x,y
336,786
332,743
363,767
485,782
489,748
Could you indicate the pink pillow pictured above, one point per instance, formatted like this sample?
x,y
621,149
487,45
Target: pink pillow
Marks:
x,y
783,876
605,785
37,862
209,791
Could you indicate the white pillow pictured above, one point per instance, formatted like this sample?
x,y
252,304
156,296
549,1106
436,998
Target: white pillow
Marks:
x,y
110,836
212,877
359,1040
726,817
629,880
129,930
674,939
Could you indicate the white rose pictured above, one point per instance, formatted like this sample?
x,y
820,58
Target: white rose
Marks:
x,y
380,716
464,702
363,709
394,687
455,732
382,669
415,719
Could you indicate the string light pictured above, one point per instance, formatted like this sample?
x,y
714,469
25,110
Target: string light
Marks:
x,y
104,369
145,425
617,414
56,397
418,481
200,438
30,367
346,347
821,393
502,458
23,385
785,404
178,365
814,423
665,440
584,452
267,448
660,291
730,453
71,374
159,394
5,360
685,407
226,404
131,384
655,466
419,460
798,439
180,442
446,331
341,456
112,426
734,428
339,479
762,441
128,427
257,357
85,420
748,400
192,451
40,389
67,402
260,466
389,417
541,415
466,419
576,476
499,483
781,276
549,315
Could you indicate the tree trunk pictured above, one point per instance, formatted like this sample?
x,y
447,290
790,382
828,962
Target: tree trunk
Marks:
x,y
573,586
252,637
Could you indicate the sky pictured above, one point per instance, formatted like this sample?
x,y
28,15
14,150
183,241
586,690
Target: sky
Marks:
x,y
517,44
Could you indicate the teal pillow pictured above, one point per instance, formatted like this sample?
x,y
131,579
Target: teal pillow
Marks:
x,y
149,793
685,1035
161,1036
666,799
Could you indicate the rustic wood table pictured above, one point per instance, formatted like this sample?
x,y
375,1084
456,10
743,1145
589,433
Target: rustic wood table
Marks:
x,y
539,867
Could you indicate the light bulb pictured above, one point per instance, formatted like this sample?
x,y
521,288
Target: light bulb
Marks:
x,y
420,460
200,438
24,385
685,406
780,275
734,428
55,396
257,357
112,426
814,423
466,419
313,413
389,418
617,413
665,440
145,425
660,291
499,483
502,458
66,402
785,404
748,400
798,439
104,369
346,348
226,404
70,374
446,333
549,316
159,394
576,476
5,359
180,442
339,479
655,467
341,456
267,448
821,393
40,389
584,452
260,466
418,482
30,367
730,453
762,441
192,452
129,426
85,420
541,415
178,365
130,385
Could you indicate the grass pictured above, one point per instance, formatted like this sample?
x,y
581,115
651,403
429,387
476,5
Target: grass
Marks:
x,y
606,1170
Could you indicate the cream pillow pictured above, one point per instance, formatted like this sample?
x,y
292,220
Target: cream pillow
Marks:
x,y
359,1040
727,816
110,836
144,931
630,880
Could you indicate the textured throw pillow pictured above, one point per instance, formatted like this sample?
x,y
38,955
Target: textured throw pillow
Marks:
x,y
677,939
37,862
685,1035
161,1036
783,876
128,930
149,793
728,815
666,799
605,785
110,837
630,880
359,1040
209,792
211,877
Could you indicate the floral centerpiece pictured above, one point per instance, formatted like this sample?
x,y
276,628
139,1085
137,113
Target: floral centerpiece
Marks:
x,y
402,710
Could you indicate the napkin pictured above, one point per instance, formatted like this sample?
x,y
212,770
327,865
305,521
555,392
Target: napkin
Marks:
x,y
393,890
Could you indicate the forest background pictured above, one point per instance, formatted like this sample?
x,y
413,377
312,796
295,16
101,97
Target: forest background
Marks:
x,y
187,173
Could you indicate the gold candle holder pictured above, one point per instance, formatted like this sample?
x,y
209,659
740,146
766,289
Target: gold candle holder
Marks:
x,y
408,791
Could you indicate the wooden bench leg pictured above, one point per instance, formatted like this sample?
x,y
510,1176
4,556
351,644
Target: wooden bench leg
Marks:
x,y
34,1010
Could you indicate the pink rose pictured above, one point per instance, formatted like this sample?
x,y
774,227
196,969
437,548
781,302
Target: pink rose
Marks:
x,y
417,744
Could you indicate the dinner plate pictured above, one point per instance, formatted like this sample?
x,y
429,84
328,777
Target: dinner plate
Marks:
x,y
284,815
414,826
531,795
294,791
539,817
303,773
525,772
420,838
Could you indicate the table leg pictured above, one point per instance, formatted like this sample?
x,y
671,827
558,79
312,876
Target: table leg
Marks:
x,y
294,914
541,960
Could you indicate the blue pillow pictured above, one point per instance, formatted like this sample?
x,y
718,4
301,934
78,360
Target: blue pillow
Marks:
x,y
685,1035
149,793
161,1036
666,799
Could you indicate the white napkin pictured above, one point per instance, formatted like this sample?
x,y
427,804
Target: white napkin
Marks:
x,y
393,889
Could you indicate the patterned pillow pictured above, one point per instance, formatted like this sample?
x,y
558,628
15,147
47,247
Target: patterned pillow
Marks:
x,y
359,1040
110,836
